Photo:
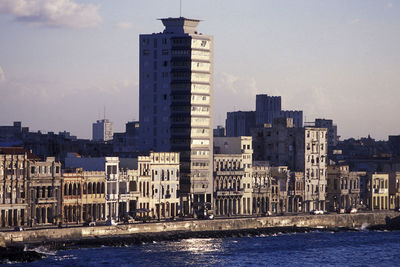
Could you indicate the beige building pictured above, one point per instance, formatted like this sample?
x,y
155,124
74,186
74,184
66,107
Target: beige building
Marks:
x,y
228,187
93,196
281,175
394,190
377,195
134,194
72,208
13,189
296,192
44,191
343,188
233,175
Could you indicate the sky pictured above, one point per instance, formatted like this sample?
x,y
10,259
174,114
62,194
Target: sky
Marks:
x,y
63,61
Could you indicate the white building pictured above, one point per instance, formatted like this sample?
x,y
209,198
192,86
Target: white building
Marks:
x,y
315,157
102,130
175,112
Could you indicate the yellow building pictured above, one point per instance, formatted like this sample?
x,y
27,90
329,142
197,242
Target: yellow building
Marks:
x,y
378,191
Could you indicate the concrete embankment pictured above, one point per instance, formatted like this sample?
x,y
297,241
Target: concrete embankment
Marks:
x,y
182,229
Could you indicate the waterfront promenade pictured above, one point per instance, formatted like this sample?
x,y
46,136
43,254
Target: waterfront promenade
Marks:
x,y
82,234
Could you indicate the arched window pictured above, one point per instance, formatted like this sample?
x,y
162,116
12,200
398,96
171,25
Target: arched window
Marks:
x,y
74,192
49,191
90,188
70,190
43,191
94,188
85,188
98,188
102,188
65,190
79,189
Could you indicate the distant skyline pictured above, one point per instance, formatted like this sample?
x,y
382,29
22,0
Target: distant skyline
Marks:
x,y
62,61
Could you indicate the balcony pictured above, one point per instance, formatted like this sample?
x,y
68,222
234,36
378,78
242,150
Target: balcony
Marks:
x,y
227,193
125,197
232,172
46,200
112,177
344,191
110,197
354,191
380,191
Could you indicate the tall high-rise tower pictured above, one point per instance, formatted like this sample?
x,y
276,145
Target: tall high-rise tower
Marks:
x,y
102,130
175,110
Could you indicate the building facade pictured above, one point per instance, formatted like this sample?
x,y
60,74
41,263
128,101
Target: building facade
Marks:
x,y
301,149
72,208
239,123
109,165
44,191
233,174
13,190
377,191
102,131
394,190
343,188
269,108
159,184
94,196
175,104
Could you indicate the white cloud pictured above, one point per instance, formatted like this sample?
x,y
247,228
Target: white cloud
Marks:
x,y
2,75
124,25
233,93
53,13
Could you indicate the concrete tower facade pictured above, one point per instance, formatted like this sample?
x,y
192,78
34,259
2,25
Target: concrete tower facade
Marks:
x,y
102,130
175,108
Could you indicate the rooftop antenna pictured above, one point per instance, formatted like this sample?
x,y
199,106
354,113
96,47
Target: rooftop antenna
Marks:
x,y
104,112
180,8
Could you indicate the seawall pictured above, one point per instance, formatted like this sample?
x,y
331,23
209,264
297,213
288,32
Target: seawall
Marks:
x,y
60,235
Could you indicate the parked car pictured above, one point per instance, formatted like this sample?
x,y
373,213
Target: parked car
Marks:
x,y
317,212
90,223
128,219
353,210
340,211
18,228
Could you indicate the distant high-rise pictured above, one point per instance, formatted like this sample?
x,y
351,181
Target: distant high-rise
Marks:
x,y
239,123
267,108
102,130
175,108
270,107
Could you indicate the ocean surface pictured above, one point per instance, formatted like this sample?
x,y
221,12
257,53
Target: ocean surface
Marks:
x,y
364,248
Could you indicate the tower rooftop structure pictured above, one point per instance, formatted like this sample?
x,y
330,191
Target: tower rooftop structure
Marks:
x,y
180,25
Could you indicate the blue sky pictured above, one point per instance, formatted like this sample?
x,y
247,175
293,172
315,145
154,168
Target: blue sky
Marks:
x,y
61,61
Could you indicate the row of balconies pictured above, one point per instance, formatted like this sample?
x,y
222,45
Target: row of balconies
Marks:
x,y
380,190
221,193
232,172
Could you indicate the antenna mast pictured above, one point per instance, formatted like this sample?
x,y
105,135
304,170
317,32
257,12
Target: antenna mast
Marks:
x,y
180,8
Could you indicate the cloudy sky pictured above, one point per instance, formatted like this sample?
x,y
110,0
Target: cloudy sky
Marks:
x,y
62,61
